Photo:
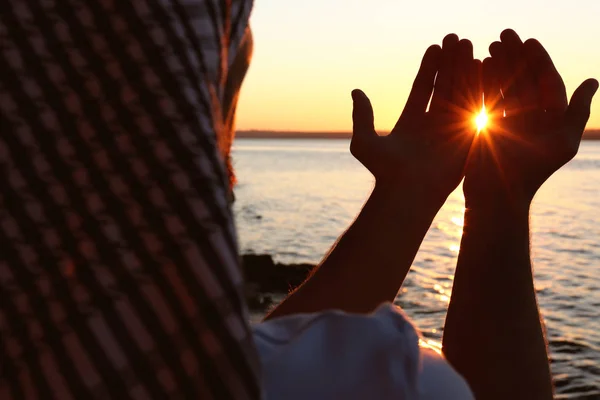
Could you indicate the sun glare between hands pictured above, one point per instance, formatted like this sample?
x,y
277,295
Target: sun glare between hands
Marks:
x,y
481,120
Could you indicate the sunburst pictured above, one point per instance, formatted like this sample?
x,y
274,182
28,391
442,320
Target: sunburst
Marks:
x,y
481,120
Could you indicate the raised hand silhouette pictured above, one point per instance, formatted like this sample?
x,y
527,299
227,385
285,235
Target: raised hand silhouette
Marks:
x,y
532,129
427,149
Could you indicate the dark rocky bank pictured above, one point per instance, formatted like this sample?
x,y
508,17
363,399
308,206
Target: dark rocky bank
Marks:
x,y
268,276
265,277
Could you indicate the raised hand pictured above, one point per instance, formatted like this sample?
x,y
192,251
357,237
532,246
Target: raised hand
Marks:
x,y
416,167
426,150
532,131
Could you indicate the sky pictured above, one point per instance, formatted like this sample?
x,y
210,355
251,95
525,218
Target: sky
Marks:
x,y
310,54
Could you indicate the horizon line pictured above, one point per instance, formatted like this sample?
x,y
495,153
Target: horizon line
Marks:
x,y
589,134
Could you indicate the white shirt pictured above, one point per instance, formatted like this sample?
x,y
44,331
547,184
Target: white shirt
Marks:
x,y
336,355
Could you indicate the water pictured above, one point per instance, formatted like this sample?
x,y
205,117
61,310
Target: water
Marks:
x,y
295,197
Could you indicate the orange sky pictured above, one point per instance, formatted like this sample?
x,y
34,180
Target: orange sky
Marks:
x,y
310,54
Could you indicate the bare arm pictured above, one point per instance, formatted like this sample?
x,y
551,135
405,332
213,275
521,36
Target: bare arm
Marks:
x,y
370,261
493,334
416,167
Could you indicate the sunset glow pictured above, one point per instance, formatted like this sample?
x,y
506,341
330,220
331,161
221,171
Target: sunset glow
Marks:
x,y
309,55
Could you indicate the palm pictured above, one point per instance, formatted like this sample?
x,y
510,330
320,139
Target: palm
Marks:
x,y
533,131
428,152
428,148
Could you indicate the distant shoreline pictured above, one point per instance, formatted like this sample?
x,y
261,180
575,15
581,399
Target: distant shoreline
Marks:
x,y
592,134
292,135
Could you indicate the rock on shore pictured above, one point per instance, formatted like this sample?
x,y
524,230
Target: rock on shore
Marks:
x,y
264,275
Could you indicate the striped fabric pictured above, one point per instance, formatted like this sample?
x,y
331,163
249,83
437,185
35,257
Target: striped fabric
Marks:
x,y
119,274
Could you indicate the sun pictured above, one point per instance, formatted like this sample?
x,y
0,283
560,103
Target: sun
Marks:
x,y
481,120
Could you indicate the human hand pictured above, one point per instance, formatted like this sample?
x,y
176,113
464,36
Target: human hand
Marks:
x,y
532,130
426,150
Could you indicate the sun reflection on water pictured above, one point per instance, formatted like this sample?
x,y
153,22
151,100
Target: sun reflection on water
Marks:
x,y
458,220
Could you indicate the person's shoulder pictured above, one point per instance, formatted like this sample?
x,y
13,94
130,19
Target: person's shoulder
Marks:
x,y
387,319
337,354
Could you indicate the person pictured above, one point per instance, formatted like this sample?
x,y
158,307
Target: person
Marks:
x,y
119,276
494,339
533,131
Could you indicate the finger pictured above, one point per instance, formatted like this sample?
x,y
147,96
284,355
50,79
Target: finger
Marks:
x,y
512,43
498,53
523,84
475,85
363,122
529,91
475,94
494,102
553,94
442,93
512,66
423,84
496,49
578,111
499,64
462,93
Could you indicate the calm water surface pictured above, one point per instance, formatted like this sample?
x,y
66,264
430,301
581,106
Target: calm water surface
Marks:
x,y
295,197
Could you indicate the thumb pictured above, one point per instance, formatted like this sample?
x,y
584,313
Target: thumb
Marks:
x,y
362,115
578,111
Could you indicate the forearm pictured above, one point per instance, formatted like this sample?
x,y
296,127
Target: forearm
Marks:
x,y
493,335
368,264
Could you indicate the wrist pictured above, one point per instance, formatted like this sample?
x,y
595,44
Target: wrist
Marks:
x,y
505,197
499,206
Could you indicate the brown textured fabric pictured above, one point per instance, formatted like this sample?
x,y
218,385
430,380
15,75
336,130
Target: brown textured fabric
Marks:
x,y
119,274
